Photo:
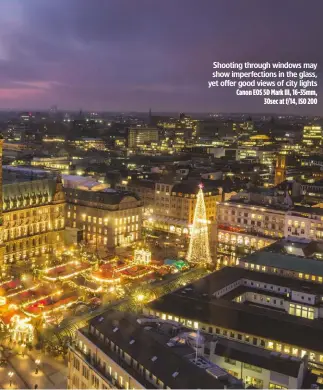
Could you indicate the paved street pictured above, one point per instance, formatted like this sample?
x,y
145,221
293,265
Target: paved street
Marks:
x,y
52,373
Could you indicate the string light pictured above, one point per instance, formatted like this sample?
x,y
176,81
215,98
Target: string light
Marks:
x,y
199,248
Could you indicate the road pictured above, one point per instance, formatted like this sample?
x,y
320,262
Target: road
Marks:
x,y
51,373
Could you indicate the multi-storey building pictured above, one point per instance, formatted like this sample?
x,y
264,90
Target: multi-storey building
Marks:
x,y
175,205
33,218
265,155
107,218
246,226
122,351
138,136
33,215
312,135
312,190
145,189
255,308
89,143
170,207
62,164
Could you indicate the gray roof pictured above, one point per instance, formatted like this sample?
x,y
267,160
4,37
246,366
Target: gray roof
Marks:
x,y
286,261
255,321
148,344
111,197
256,356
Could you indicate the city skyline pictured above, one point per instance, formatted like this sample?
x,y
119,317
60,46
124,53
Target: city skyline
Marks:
x,y
121,56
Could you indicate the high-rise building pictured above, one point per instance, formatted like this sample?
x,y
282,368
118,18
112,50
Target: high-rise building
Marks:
x,y
312,135
138,136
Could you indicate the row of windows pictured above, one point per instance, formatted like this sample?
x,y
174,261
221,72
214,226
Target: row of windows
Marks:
x,y
26,214
314,278
301,311
126,358
39,227
245,365
279,347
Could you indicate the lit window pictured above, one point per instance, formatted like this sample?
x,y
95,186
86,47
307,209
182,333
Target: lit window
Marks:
x,y
286,349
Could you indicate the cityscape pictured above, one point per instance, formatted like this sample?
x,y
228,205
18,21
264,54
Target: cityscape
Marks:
x,y
175,246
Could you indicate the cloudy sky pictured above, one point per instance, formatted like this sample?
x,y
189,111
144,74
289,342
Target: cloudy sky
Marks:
x,y
135,54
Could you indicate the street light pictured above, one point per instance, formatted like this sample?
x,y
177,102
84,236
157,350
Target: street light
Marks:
x,y
37,365
23,349
10,374
140,297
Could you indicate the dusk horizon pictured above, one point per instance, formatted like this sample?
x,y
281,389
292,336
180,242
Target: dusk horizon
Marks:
x,y
121,56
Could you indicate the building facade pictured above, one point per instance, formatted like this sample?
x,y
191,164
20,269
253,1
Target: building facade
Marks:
x,y
244,227
312,135
33,216
141,136
221,310
108,219
175,206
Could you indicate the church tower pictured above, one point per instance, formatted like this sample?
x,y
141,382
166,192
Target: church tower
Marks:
x,y
280,170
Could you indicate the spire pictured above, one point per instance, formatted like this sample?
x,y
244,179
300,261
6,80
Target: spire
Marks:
x,y
149,117
199,248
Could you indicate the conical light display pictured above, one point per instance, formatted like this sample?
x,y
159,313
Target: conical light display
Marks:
x,y
199,248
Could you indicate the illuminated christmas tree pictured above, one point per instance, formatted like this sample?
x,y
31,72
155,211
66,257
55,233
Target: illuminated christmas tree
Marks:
x,y
199,248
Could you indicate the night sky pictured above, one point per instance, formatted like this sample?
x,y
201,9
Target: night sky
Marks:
x,y
123,55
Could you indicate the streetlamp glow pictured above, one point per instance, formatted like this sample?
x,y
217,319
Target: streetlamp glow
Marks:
x,y
10,374
140,297
37,361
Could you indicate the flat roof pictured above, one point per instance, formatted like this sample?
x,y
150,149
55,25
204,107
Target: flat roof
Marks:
x,y
256,356
227,275
143,345
201,306
286,261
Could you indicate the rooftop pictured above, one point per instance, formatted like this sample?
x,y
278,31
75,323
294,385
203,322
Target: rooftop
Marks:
x,y
149,346
200,305
108,197
293,255
259,357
